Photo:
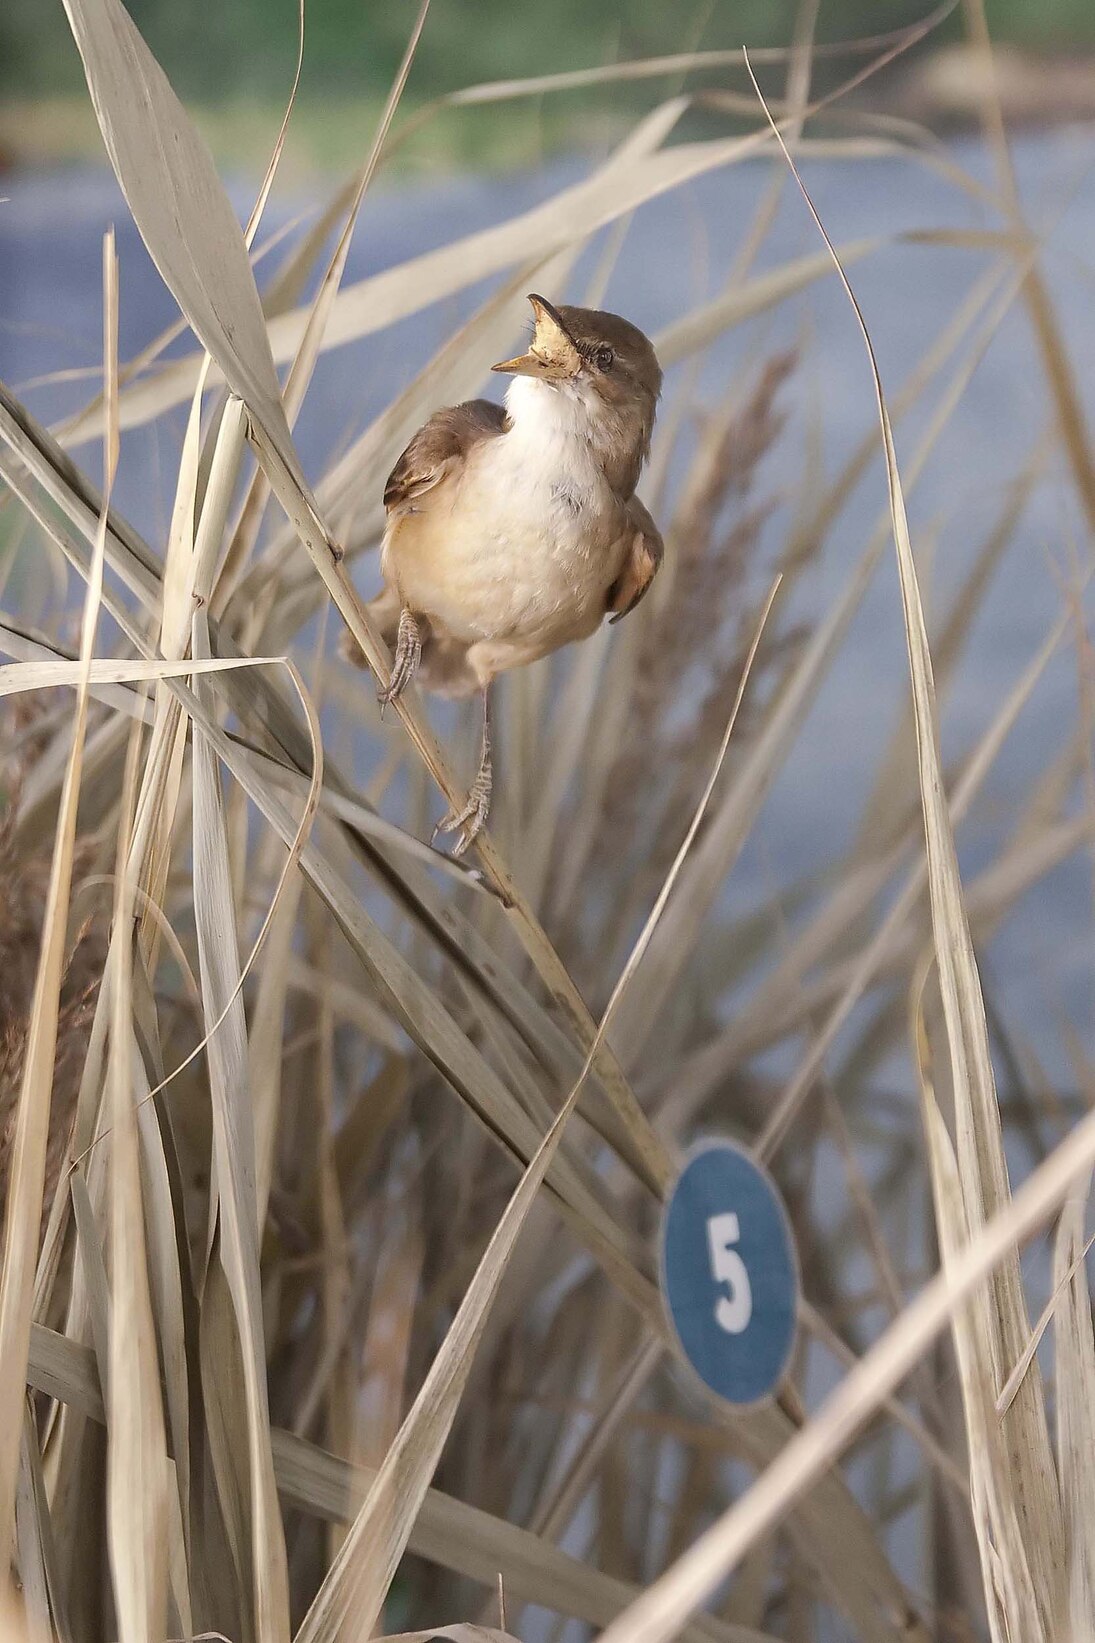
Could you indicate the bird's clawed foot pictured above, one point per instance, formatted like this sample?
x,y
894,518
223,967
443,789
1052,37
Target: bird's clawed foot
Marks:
x,y
408,654
470,821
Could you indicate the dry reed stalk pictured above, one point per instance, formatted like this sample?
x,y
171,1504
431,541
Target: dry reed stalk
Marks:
x,y
308,1112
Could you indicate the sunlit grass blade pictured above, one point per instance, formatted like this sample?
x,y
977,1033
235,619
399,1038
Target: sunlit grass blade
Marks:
x,y
137,1455
181,209
1076,1406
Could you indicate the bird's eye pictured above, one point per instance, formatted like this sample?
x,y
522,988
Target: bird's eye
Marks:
x,y
604,358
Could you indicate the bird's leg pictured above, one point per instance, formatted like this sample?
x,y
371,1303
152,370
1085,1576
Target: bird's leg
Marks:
x,y
470,821
408,654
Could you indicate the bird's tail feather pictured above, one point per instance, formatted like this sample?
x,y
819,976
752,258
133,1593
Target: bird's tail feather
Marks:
x,y
444,666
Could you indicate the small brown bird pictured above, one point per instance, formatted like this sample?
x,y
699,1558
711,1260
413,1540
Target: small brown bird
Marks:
x,y
513,531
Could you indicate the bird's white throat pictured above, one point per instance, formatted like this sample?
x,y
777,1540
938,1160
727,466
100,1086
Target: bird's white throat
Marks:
x,y
552,432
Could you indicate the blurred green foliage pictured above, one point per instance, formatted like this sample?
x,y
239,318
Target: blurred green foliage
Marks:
x,y
217,50
232,62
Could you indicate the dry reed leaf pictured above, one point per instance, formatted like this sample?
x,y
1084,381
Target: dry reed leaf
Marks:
x,y
1016,1606
447,1531
350,1600
95,1298
213,518
411,1002
1061,1280
153,351
24,880
166,1239
37,453
460,1633
1076,1409
472,1542
308,786
1034,1527
137,1451
181,210
233,1186
24,676
266,1039
122,1324
184,517
304,361
796,103
38,1577
279,142
168,742
977,1111
554,1513
425,1019
23,1209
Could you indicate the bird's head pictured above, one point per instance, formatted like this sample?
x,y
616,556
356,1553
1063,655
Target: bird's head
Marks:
x,y
603,363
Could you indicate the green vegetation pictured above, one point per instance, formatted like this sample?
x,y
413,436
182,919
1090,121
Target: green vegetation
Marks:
x,y
246,48
234,60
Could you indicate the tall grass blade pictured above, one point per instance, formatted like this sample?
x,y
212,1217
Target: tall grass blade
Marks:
x,y
350,1599
181,209
23,1213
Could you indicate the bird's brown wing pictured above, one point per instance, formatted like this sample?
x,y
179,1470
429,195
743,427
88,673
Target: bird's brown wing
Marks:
x,y
438,445
641,565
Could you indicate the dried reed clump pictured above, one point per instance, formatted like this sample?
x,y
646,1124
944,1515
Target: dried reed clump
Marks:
x,y
24,880
695,640
304,1254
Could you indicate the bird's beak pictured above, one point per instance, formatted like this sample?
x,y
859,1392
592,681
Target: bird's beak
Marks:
x,y
552,356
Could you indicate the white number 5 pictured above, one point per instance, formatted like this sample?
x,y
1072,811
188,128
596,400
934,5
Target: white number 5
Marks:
x,y
732,1311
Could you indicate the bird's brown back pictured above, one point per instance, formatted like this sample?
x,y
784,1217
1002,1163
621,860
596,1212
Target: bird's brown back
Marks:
x,y
439,445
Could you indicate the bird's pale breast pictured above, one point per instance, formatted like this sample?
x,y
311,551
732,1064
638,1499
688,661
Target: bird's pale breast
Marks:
x,y
521,543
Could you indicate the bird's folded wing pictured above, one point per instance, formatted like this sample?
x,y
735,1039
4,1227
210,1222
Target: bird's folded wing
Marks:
x,y
642,562
439,446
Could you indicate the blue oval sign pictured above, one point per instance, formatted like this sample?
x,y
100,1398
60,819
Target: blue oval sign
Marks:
x,y
729,1272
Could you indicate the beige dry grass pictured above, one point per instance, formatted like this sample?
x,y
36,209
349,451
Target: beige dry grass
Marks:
x,y
339,1310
